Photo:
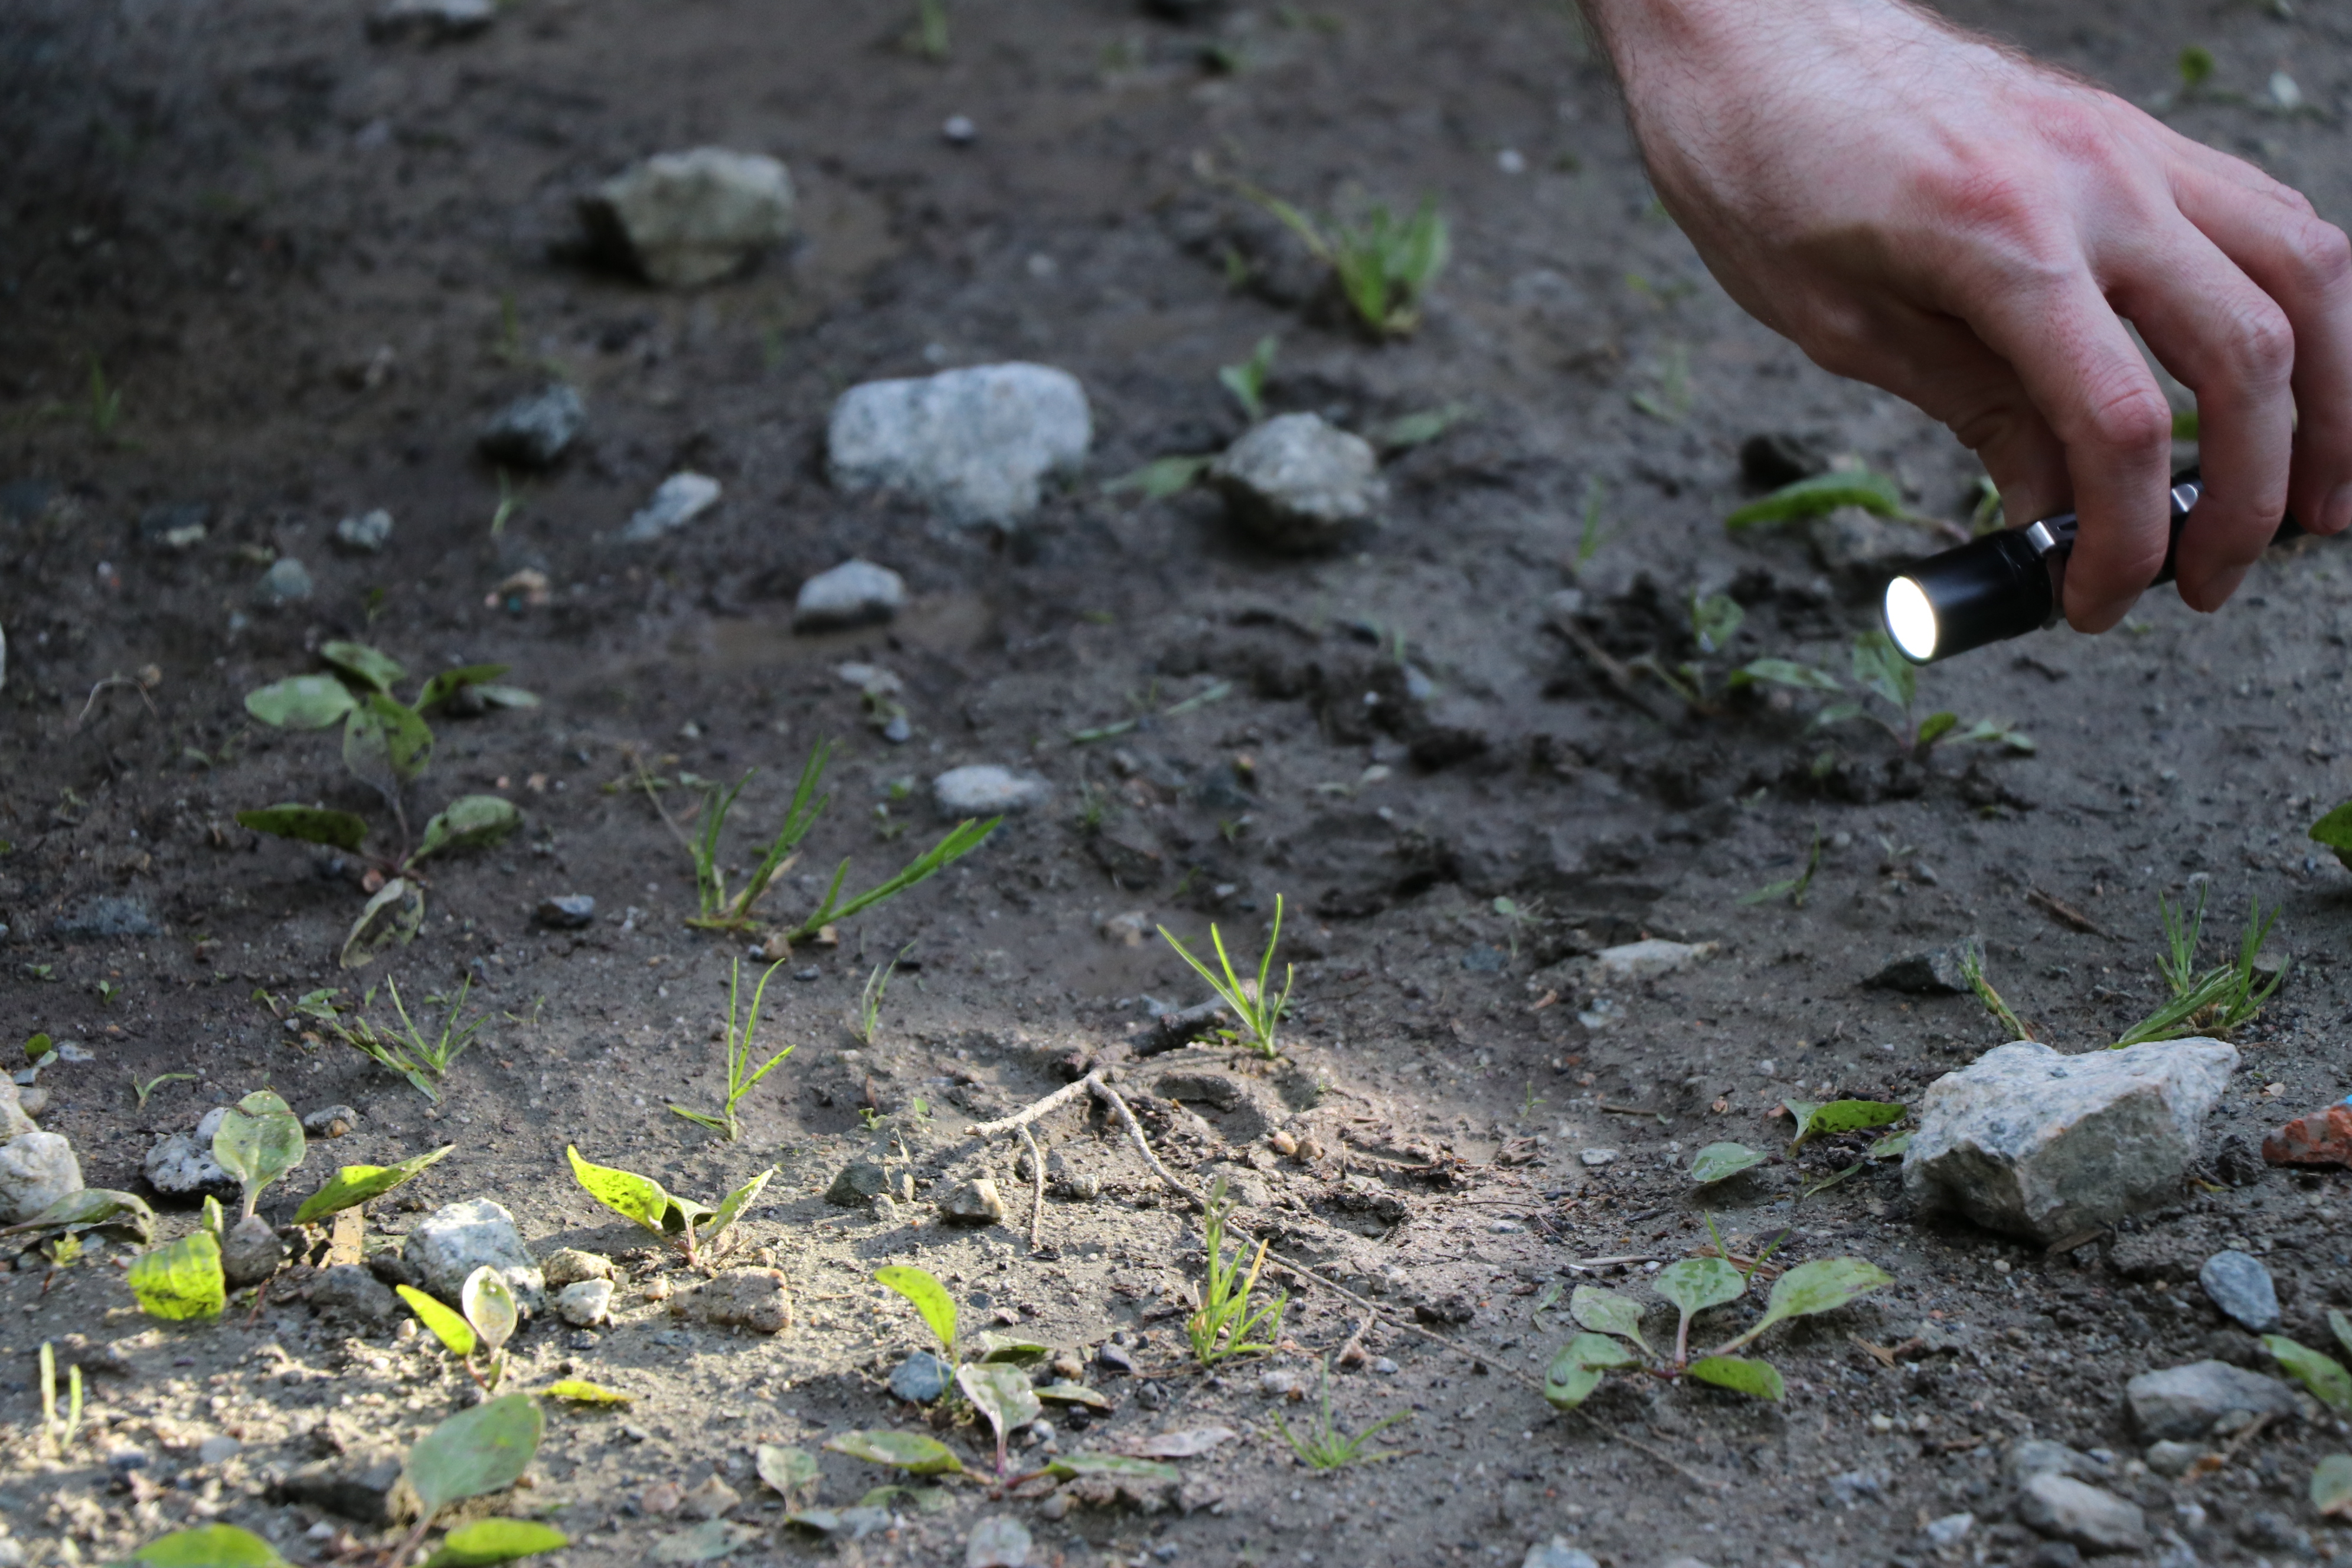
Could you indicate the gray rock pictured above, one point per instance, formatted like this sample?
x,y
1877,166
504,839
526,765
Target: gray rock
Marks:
x,y
109,917
976,1202
330,1122
570,1265
2182,1402
209,1123
854,594
13,1121
1557,1554
2030,1142
975,444
585,1303
37,1168
358,1486
1298,483
431,20
219,1449
1949,1531
2070,1509
1935,973
1856,542
452,1242
683,219
566,911
983,789
348,1291
754,1298
921,1378
2032,1456
287,581
532,432
1646,960
862,1181
180,1167
250,1252
2172,1460
2239,1284
676,501
365,533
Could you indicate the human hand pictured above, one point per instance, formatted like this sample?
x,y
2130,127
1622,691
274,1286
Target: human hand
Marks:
x,y
1937,216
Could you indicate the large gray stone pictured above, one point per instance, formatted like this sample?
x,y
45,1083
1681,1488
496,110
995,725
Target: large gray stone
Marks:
x,y
14,1122
983,789
532,432
452,1242
2183,1402
346,1289
2239,1284
854,594
1298,483
2031,1141
182,1167
37,1168
2070,1509
683,219
976,443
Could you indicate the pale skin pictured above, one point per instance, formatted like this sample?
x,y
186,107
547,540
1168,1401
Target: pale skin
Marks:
x,y
1923,210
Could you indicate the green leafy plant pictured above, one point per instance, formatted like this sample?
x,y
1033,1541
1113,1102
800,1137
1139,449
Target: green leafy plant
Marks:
x,y
472,1453
1792,888
721,910
742,1076
1253,1004
57,1432
1517,919
1879,670
257,1141
1005,1398
909,1451
490,1316
1973,972
2331,1486
123,1215
2196,67
1383,264
701,1234
1323,1445
2318,1370
1590,530
2335,831
2217,1001
1246,381
1227,1319
930,1300
152,1084
182,1281
869,997
408,1050
209,1546
1818,494
355,1184
1816,1119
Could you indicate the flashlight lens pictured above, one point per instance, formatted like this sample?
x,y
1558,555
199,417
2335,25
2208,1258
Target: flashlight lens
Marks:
x,y
1911,619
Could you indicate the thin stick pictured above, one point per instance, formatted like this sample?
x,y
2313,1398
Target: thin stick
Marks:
x,y
1052,1102
1038,1173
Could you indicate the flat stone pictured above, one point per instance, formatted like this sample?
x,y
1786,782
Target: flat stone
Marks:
x,y
1949,1531
180,1167
2032,1456
1298,483
2239,1284
430,20
983,789
348,1290
570,1265
2172,1460
566,911
1597,1157
109,917
585,1303
2182,1402
532,432
683,219
218,1449
330,1122
1557,1554
453,1241
250,1252
287,581
365,533
2030,1142
754,1298
999,1541
921,1378
976,1202
1647,960
2072,1511
976,443
854,594
860,1182
1934,973
37,1168
359,1485
676,501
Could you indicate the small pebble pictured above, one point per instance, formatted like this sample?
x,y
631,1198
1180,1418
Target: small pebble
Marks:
x,y
567,912
959,130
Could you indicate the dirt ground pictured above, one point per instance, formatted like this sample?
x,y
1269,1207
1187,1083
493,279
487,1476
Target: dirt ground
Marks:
x,y
255,262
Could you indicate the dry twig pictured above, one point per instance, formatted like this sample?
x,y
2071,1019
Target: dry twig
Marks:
x,y
1037,1177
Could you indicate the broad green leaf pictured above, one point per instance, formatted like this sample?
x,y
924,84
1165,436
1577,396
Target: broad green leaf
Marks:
x,y
90,1209
1577,1369
685,1212
2321,1373
1695,1284
907,1450
468,822
490,1304
1719,1162
308,825
1715,620
1881,667
1821,493
789,1470
1821,1286
452,1330
485,1449
489,1540
507,696
1160,478
1935,727
385,743
991,1346
391,918
1001,1392
209,1546
732,1205
1413,429
1836,713
355,1184
1893,1146
209,1216
1784,672
257,1141
580,1391
303,702
626,1193
1738,1375
930,1298
182,1281
2331,1486
2334,830
1998,733
364,664
1607,1312
450,683
1073,1394
706,1542
2342,1326
1815,1120
1118,1467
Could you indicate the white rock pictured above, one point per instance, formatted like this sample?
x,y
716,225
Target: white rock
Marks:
x,y
678,500
2031,1141
209,1123
1599,1156
976,443
1639,961
983,789
1951,1530
287,581
180,1167
532,432
1557,1554
367,532
13,1121
854,594
586,1303
452,1242
2181,1402
687,219
1298,483
2070,1509
37,1168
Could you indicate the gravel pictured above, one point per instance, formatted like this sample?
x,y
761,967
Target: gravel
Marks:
x,y
533,432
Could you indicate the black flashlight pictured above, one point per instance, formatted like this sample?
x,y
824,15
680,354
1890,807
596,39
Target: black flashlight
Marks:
x,y
2007,583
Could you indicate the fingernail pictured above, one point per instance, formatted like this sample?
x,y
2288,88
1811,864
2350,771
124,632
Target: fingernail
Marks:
x,y
2336,516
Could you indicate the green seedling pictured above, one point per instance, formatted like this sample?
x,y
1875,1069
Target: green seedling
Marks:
x,y
125,1216
2335,831
182,1281
1819,494
1893,1146
408,1051
929,35
1792,888
257,1142
1589,534
1826,1118
1985,517
1384,265
108,991
930,1300
1227,1321
1517,918
57,1432
509,501
1973,972
701,1234
1323,1446
2196,67
2320,1372
143,1089
490,1314
1161,478
2217,1001
105,404
1252,1002
1216,691
870,995
1004,1397
1408,430
721,910
908,1451
1246,381
40,1049
742,1076
354,1185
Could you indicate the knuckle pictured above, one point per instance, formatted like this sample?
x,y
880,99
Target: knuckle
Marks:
x,y
2318,253
2260,343
2135,418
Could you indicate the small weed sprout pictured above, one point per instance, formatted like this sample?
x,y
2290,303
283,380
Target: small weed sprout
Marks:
x,y
143,1089
490,1314
59,1432
1792,888
1323,1446
692,1227
1519,919
1589,533
1226,1319
105,402
2217,1001
742,1076
1258,1009
1383,264
869,997
1246,381
929,37
406,1051
1972,970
